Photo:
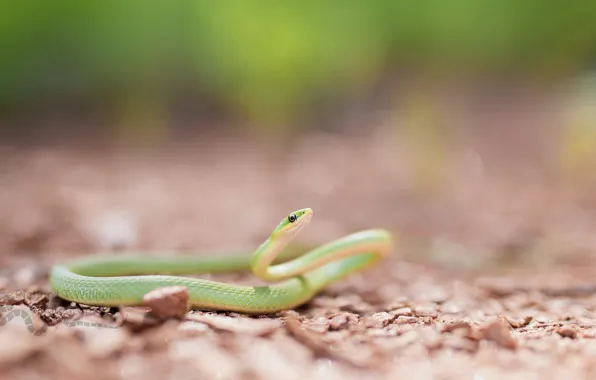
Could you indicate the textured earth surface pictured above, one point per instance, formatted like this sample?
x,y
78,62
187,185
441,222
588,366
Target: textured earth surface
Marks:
x,y
490,277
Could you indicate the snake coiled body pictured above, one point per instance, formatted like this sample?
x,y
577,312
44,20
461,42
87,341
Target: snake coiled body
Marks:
x,y
125,280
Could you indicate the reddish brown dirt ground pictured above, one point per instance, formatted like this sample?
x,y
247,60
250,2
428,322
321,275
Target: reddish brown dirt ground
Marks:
x,y
479,285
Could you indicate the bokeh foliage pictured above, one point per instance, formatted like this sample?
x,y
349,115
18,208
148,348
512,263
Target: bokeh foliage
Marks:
x,y
270,60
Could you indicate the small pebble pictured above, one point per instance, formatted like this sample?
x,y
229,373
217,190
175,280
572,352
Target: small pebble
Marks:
x,y
342,320
380,319
318,325
402,311
567,332
426,311
499,332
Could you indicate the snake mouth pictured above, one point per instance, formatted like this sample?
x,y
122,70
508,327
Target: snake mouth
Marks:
x,y
304,220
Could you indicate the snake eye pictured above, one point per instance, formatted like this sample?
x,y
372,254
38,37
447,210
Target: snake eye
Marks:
x,y
292,218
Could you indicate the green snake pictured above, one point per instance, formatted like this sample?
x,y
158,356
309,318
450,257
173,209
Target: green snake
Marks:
x,y
125,280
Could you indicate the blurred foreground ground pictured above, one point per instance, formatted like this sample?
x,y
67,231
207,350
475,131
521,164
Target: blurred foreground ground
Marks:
x,y
453,301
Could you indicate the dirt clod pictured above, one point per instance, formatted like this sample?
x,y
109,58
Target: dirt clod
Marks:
x,y
378,320
168,302
567,332
498,331
341,320
462,325
516,324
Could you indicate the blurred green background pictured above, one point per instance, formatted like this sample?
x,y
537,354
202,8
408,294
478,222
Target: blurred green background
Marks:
x,y
270,64
415,89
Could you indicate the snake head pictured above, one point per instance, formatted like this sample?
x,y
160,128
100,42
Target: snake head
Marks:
x,y
293,223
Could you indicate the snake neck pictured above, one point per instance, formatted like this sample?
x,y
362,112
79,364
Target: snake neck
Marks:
x,y
265,255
